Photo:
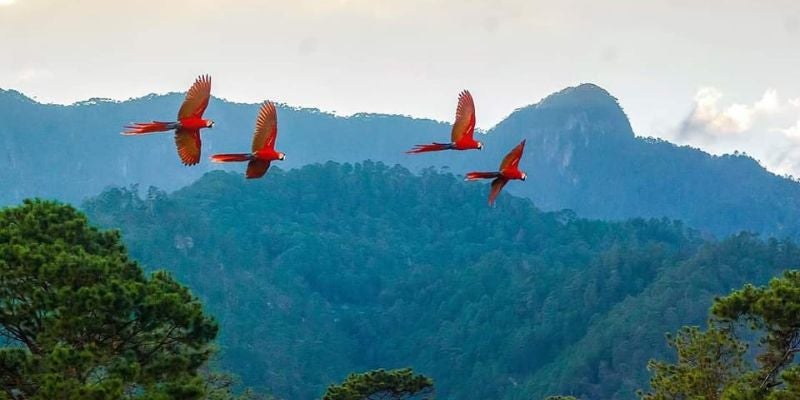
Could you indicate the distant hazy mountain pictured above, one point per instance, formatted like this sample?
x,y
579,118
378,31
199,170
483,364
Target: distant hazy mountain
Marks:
x,y
581,155
72,152
584,156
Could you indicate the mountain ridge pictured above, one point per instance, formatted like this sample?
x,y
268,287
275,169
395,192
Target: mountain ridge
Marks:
x,y
92,101
582,155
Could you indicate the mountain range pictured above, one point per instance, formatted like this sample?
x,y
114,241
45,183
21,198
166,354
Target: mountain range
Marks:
x,y
581,155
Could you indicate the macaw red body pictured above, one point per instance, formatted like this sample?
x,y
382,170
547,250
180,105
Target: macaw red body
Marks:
x,y
509,170
187,127
462,135
263,148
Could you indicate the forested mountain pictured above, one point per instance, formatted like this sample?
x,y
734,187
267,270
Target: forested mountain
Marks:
x,y
71,152
581,155
327,269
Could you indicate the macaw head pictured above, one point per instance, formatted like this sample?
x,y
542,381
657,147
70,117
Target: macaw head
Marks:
x,y
281,156
480,146
209,123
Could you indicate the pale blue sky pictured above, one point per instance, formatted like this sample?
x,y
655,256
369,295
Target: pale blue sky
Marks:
x,y
666,60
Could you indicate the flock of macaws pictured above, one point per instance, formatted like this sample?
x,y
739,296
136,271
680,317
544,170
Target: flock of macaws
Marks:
x,y
262,152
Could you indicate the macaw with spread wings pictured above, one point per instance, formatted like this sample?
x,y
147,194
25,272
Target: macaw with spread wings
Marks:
x,y
509,169
463,129
263,148
187,127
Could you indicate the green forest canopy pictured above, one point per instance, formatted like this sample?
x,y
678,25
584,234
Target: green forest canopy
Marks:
x,y
328,269
81,321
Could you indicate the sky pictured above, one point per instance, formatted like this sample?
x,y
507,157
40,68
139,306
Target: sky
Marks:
x,y
722,75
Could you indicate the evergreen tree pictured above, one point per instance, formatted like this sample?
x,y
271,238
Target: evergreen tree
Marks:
x,y
81,321
711,364
773,312
380,384
221,386
708,363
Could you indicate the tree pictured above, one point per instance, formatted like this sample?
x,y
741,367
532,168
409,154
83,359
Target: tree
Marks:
x,y
220,386
708,362
381,385
81,320
711,363
774,312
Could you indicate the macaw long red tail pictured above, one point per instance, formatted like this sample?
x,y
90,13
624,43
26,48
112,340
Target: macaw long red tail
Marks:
x,y
471,176
238,157
423,148
143,128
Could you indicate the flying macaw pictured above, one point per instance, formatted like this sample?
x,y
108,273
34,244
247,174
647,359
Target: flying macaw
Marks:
x,y
509,169
263,148
463,129
190,121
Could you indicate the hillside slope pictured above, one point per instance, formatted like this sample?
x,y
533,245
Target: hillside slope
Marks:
x,y
332,268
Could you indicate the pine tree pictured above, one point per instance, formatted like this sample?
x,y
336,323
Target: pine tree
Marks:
x,y
82,321
380,384
711,363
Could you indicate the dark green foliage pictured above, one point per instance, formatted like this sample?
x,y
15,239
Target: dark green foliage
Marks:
x,y
608,362
81,321
222,386
318,272
772,311
712,364
708,363
382,385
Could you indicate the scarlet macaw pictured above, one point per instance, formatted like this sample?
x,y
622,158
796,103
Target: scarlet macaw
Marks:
x,y
190,121
263,148
509,169
463,129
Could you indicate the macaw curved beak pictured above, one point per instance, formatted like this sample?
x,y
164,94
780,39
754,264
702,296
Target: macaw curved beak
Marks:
x,y
524,176
282,157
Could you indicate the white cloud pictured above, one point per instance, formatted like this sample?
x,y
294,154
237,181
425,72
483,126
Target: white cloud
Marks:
x,y
769,102
792,132
710,117
767,129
